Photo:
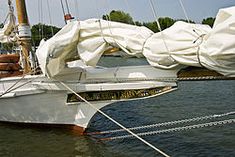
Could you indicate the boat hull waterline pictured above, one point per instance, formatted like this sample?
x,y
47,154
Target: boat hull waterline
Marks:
x,y
45,101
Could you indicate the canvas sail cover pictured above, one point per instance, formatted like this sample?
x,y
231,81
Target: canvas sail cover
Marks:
x,y
6,33
89,39
196,45
182,44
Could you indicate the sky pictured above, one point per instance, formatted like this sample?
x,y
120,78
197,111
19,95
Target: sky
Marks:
x,y
140,10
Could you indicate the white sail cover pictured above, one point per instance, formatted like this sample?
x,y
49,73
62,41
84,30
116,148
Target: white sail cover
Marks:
x,y
181,44
6,33
196,45
89,39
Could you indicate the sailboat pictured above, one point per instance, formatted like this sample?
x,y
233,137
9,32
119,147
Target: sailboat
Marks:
x,y
71,80
41,99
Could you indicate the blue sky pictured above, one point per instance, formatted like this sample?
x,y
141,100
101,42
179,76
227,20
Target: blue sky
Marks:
x,y
139,9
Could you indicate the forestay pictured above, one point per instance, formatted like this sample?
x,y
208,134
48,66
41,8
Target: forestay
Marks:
x,y
182,44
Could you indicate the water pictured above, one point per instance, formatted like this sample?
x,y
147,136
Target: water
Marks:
x,y
192,99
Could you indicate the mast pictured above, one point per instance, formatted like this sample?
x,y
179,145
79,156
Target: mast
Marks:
x,y
24,34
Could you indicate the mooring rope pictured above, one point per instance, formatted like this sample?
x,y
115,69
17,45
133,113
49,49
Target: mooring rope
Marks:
x,y
114,121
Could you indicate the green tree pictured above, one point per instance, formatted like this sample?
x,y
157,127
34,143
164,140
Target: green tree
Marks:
x,y
40,31
137,23
152,26
190,21
166,22
119,16
209,21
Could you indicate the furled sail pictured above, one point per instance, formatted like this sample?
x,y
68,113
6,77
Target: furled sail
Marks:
x,y
7,33
89,39
182,44
196,45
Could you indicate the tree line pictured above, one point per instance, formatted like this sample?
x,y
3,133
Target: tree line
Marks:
x,y
40,31
165,22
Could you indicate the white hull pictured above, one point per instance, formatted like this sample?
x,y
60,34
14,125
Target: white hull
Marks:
x,y
45,101
46,108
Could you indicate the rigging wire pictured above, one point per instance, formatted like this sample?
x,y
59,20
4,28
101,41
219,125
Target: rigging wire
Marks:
x,y
116,44
67,15
162,34
185,13
50,19
109,23
67,6
10,11
42,19
13,88
40,16
76,6
129,10
39,19
114,121
62,5
155,15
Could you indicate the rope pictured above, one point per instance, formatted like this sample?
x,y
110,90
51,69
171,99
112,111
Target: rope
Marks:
x,y
111,34
167,123
102,32
199,36
110,29
201,39
62,5
189,127
114,121
109,24
160,29
12,88
9,89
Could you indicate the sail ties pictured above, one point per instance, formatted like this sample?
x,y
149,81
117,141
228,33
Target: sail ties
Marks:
x,y
199,41
102,32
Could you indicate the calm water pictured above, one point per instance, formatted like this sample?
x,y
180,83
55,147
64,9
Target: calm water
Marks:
x,y
192,99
